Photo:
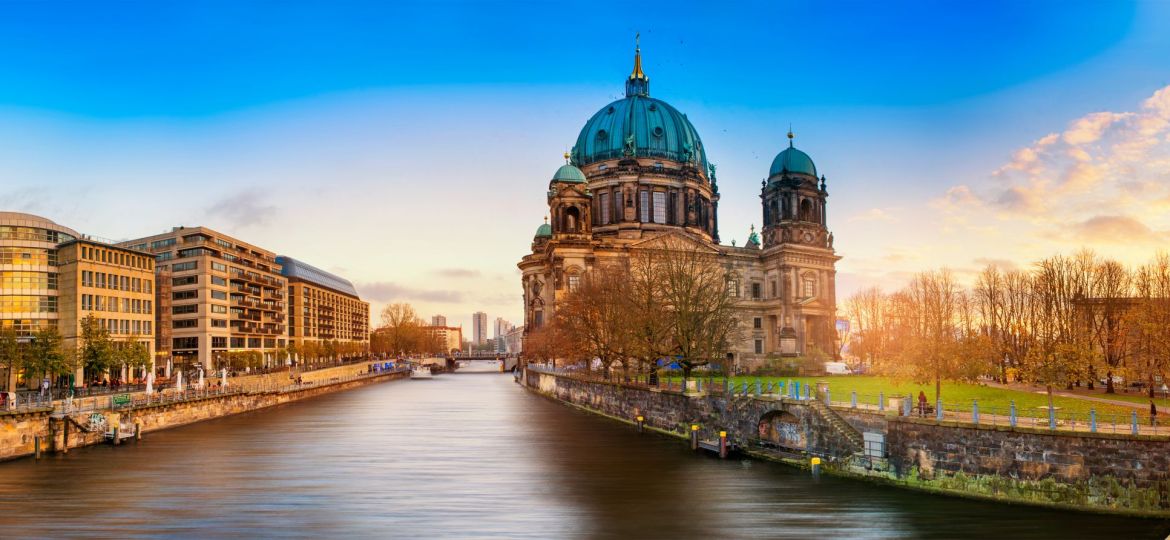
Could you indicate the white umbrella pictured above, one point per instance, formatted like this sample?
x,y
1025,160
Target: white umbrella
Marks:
x,y
150,383
179,381
200,385
223,377
169,364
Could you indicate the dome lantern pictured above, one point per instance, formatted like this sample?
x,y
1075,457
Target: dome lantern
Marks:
x,y
638,84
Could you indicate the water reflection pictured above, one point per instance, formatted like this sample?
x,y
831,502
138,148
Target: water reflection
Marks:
x,y
471,455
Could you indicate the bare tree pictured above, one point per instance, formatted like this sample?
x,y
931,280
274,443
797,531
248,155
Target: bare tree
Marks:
x,y
700,312
1150,347
867,311
400,332
934,296
594,316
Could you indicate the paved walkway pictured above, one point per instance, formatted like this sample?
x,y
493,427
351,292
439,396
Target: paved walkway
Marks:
x,y
1064,393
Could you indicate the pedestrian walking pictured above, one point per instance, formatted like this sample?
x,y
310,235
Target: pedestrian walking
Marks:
x,y
1153,413
921,403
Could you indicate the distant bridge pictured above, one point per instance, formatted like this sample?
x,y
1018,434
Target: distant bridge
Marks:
x,y
507,362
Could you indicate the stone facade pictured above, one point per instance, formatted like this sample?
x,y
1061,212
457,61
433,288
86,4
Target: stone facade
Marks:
x,y
639,179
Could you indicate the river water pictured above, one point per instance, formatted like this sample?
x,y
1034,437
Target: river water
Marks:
x,y
474,456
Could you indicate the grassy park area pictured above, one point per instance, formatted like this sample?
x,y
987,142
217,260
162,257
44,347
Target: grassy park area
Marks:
x,y
961,395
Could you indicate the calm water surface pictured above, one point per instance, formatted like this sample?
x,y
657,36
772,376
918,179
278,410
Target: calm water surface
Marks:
x,y
471,455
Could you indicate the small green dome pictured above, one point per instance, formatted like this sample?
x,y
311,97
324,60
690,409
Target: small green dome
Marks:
x,y
793,161
569,173
544,231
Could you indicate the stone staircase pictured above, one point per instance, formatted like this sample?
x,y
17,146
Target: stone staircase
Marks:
x,y
855,441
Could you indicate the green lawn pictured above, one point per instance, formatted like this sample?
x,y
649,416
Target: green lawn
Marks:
x,y
959,396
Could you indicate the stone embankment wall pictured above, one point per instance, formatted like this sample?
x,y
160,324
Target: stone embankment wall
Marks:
x,y
1082,471
18,431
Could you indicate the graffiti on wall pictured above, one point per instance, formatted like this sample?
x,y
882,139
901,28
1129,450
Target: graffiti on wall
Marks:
x,y
783,429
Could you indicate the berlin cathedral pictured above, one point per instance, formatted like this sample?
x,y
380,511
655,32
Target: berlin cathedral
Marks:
x,y
638,174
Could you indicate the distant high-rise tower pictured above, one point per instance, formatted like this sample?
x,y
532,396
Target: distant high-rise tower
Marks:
x,y
438,320
479,327
502,327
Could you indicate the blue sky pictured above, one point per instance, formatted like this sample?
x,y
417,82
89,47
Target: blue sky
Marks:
x,y
428,130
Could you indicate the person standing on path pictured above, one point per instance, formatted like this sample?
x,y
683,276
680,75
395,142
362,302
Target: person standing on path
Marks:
x,y
1153,413
921,403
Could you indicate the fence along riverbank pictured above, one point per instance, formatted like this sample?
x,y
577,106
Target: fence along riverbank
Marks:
x,y
92,420
1064,467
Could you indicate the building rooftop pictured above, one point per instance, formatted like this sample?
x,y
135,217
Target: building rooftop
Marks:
x,y
20,219
292,268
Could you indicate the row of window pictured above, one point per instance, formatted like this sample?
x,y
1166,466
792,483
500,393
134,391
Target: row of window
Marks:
x,y
28,304
808,288
97,302
194,280
654,206
28,256
103,280
194,323
8,232
185,295
221,342
111,256
184,309
127,327
19,279
27,327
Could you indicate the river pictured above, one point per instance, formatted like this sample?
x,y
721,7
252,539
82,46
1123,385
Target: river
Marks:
x,y
472,455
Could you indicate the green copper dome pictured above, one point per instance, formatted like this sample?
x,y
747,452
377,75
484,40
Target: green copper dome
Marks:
x,y
569,173
544,230
793,161
639,126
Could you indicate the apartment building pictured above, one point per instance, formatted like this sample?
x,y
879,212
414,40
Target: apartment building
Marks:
x,y
218,295
113,284
324,307
450,336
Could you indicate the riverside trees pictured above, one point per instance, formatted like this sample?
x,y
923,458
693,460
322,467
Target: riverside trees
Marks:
x,y
670,302
1066,320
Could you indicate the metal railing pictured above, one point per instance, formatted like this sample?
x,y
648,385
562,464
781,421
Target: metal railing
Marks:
x,y
82,404
973,412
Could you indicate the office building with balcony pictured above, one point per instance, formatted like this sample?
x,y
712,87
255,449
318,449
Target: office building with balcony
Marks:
x,y
216,294
324,307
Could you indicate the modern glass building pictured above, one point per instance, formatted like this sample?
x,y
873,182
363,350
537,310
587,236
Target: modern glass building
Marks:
x,y
29,289
28,271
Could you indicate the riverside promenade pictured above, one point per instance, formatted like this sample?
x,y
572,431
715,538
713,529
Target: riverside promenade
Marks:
x,y
68,424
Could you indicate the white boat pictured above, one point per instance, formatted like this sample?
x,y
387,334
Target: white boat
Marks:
x,y
421,372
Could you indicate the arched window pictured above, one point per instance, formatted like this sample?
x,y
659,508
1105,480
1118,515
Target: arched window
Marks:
x,y
572,219
809,283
